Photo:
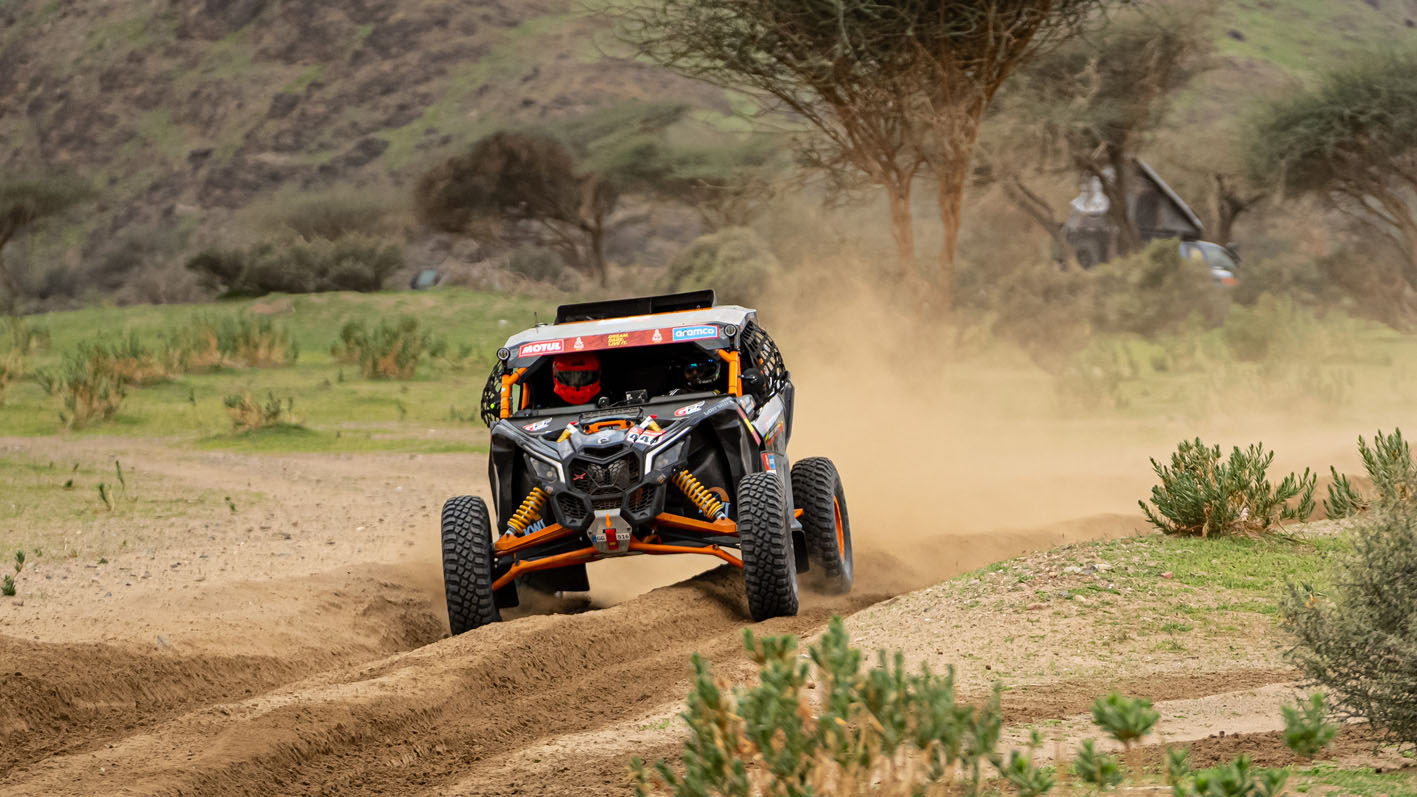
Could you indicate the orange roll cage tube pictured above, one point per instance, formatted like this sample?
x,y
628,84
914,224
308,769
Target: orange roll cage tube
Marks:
x,y
735,374
507,381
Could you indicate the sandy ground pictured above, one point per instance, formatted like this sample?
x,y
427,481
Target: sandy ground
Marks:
x,y
299,644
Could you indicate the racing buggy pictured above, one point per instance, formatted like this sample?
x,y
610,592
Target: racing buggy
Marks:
x,y
656,425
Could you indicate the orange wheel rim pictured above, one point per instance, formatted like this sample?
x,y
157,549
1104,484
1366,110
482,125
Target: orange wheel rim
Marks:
x,y
840,528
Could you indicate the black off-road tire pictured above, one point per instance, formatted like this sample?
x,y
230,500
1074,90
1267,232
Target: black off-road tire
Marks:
x,y
769,567
817,491
467,564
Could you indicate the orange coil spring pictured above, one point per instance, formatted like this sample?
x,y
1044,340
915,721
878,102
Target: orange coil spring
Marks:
x,y
529,511
702,498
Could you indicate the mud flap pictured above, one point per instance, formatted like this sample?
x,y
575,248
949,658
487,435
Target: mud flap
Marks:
x,y
799,549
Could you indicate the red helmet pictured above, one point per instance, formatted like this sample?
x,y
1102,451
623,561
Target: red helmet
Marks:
x,y
576,377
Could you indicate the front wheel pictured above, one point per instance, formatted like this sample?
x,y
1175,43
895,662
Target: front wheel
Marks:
x,y
769,566
467,564
817,491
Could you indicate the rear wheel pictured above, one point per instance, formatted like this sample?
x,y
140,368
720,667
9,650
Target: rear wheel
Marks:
x,y
817,491
467,564
769,567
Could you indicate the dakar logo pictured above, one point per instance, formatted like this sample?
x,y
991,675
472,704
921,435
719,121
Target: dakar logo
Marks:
x,y
580,344
543,347
657,337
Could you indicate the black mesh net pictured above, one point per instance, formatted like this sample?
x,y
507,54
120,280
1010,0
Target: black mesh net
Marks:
x,y
491,407
761,353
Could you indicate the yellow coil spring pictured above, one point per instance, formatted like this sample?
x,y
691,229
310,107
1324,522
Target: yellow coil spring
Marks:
x,y
702,498
529,511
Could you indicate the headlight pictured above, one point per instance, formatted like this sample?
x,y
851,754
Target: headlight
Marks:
x,y
543,470
672,453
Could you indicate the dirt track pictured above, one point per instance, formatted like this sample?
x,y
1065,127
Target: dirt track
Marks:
x,y
317,660
299,645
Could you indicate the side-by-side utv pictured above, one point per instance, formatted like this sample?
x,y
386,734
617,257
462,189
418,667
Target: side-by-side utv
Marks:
x,y
655,425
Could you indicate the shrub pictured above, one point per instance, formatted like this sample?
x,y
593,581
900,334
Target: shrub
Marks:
x,y
12,369
1042,309
1276,328
247,413
1388,462
1153,292
1202,494
1306,727
1235,779
1099,769
351,263
1359,642
328,215
386,351
211,343
881,727
1126,719
734,261
536,263
87,385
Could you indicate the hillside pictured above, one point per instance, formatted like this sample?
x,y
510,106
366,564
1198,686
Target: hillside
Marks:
x,y
186,113
183,112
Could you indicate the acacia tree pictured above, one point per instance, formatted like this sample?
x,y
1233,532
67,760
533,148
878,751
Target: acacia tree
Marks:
x,y
566,184
1089,105
1353,143
892,90
27,202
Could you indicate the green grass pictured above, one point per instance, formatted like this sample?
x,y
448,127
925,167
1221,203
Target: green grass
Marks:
x,y
54,506
1363,781
341,411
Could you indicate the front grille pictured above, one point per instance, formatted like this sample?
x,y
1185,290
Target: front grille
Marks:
x,y
602,504
641,500
611,479
572,510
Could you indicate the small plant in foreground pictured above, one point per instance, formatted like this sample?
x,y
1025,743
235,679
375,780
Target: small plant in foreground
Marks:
x,y
1358,641
881,726
1388,462
19,561
7,586
1178,766
1027,777
1097,768
105,495
247,413
1306,727
1126,719
1201,494
1235,779
386,351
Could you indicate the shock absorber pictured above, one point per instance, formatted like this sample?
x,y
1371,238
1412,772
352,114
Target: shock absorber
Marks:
x,y
702,498
529,511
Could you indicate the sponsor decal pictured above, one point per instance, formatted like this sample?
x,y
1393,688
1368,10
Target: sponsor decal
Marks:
x,y
638,436
541,347
538,426
776,430
617,339
532,529
695,333
579,344
657,337
689,410
769,462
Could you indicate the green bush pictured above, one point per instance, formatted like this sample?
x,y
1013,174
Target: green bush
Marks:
x,y
734,261
207,342
1201,494
247,413
350,263
87,384
1154,292
386,350
1306,727
1235,779
1388,462
1358,640
882,727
